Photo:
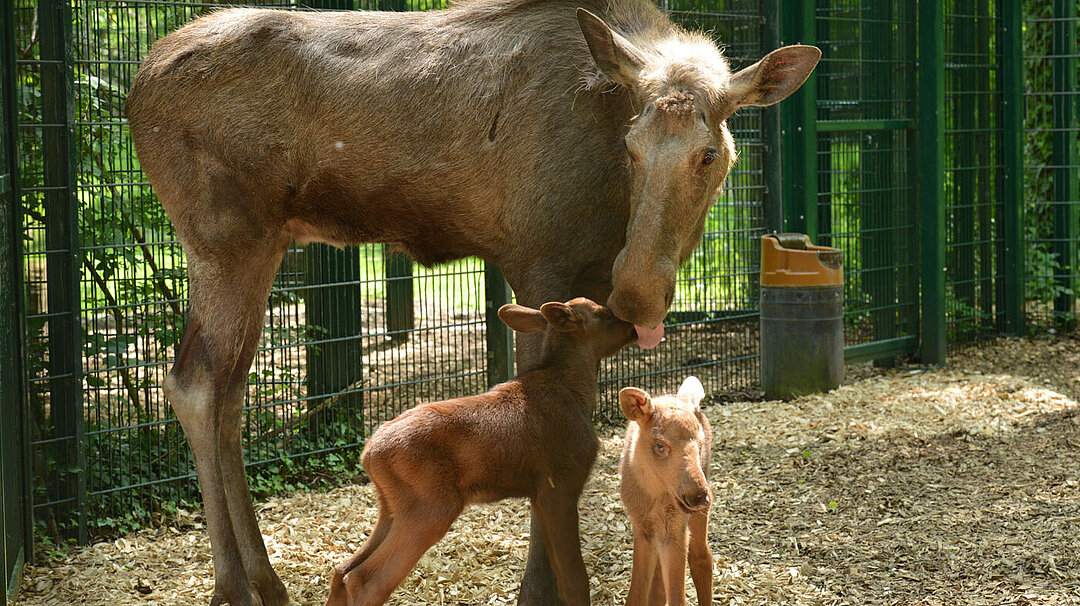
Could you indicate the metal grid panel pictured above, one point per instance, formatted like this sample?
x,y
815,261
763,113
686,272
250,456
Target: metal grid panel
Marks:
x,y
865,198
351,338
712,326
973,198
1052,163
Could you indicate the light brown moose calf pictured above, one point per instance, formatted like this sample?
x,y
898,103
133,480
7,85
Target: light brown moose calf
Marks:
x,y
530,437
665,488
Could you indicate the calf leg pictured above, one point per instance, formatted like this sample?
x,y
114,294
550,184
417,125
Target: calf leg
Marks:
x,y
557,515
338,594
371,582
206,388
700,557
642,571
673,565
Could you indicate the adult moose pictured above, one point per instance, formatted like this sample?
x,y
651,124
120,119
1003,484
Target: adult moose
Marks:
x,y
579,150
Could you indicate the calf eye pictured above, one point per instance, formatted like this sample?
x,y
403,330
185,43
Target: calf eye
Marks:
x,y
660,449
710,155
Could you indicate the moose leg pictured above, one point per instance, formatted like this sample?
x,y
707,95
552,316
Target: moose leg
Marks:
x,y
338,594
411,535
700,557
206,388
557,515
673,565
642,571
533,288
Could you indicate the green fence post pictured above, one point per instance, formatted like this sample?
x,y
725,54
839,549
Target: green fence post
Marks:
x,y
15,522
500,340
799,124
62,258
400,316
1066,197
771,129
333,302
931,179
1012,155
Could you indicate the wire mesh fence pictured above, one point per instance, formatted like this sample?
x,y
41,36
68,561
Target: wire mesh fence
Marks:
x,y
974,241
351,338
1052,162
865,111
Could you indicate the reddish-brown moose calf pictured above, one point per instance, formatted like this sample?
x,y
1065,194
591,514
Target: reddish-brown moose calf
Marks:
x,y
665,488
530,437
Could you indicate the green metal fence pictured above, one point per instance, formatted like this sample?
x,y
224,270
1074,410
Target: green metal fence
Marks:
x,y
917,145
1052,162
15,535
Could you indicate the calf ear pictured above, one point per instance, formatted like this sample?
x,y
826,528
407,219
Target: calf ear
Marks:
x,y
772,79
636,404
692,391
616,56
561,316
522,319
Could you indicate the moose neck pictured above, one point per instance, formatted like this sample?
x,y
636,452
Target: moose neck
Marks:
x,y
572,361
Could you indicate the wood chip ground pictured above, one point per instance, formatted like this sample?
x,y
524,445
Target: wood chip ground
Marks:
x,y
910,486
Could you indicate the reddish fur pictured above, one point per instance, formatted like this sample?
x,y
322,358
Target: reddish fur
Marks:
x,y
667,496
531,437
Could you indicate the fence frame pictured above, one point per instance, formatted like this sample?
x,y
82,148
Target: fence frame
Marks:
x,y
790,172
16,525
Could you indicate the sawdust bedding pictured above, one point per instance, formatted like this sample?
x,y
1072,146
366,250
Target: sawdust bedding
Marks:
x,y
908,486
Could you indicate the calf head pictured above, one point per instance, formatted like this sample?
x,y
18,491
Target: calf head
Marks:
x,y
592,324
678,148
672,435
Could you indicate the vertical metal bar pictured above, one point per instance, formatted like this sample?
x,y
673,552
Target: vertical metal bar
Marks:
x,y
1066,200
500,339
62,242
400,317
931,179
799,123
335,317
1012,178
771,157
14,490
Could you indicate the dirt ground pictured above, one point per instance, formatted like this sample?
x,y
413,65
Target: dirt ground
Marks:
x,y
909,486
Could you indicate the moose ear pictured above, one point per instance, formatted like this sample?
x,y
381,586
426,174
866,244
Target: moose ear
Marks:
x,y
772,79
616,56
692,391
636,404
561,316
522,319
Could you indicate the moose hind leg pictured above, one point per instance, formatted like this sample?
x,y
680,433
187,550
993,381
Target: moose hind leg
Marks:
x,y
206,388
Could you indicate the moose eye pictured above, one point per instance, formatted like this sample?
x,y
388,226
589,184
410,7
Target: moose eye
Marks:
x,y
660,449
710,155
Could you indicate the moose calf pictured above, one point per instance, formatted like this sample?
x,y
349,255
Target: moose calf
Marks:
x,y
665,488
530,437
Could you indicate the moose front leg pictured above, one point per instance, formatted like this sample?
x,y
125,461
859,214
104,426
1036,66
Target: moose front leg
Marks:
x,y
533,289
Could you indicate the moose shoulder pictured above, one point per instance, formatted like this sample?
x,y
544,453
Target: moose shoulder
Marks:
x,y
577,148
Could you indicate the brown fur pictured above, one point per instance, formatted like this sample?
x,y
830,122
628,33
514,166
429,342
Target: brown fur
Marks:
x,y
665,489
494,128
531,437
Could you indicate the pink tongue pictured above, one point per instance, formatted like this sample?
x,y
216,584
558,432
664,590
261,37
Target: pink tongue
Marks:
x,y
649,338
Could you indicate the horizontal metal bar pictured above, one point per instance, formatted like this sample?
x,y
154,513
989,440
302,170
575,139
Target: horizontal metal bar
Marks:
x,y
880,349
832,126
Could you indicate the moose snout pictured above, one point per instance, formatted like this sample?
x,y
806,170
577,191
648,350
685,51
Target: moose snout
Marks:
x,y
696,499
